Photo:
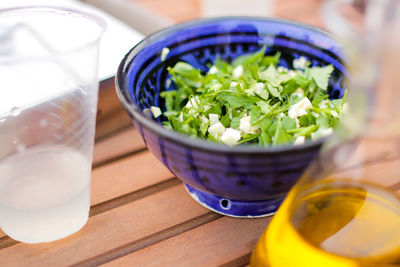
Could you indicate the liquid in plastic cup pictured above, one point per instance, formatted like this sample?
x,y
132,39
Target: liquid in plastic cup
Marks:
x,y
48,105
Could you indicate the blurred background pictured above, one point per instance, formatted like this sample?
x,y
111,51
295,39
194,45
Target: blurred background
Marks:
x,y
150,15
130,20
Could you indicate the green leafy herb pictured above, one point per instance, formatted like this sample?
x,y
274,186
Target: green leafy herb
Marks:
x,y
321,76
263,103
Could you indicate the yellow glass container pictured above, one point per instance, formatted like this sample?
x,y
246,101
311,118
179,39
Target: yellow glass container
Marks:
x,y
345,210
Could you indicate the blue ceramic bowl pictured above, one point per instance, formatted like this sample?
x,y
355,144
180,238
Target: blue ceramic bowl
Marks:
x,y
242,181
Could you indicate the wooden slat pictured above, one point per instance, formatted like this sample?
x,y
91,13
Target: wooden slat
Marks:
x,y
151,239
117,145
109,230
108,101
212,244
132,196
242,261
112,122
108,109
127,175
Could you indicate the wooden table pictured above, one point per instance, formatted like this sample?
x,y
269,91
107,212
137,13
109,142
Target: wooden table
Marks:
x,y
141,214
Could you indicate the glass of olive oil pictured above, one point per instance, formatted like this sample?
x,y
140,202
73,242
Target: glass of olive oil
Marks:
x,y
345,210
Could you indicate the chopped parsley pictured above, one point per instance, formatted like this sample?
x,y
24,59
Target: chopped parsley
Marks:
x,y
252,101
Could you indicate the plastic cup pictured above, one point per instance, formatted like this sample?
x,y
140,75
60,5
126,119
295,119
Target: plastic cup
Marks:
x,y
48,105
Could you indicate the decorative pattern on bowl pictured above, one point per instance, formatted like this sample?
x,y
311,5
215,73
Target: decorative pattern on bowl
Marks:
x,y
242,181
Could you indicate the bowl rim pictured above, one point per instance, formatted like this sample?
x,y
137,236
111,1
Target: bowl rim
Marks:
x,y
199,143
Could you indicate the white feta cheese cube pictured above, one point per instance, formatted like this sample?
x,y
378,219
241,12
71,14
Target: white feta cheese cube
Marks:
x,y
245,124
193,102
238,71
292,73
315,114
213,118
300,63
230,137
216,87
216,129
334,114
246,127
282,69
300,108
206,107
189,104
299,140
204,119
299,92
156,111
233,84
259,87
213,70
280,115
324,104
164,53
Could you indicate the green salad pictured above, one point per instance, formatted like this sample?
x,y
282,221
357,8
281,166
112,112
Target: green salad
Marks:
x,y
252,101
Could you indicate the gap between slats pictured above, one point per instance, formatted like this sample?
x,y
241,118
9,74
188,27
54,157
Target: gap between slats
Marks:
x,y
141,193
114,133
242,261
120,144
116,158
225,240
150,240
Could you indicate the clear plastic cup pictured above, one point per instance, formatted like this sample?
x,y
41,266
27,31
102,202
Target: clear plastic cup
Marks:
x,y
48,104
